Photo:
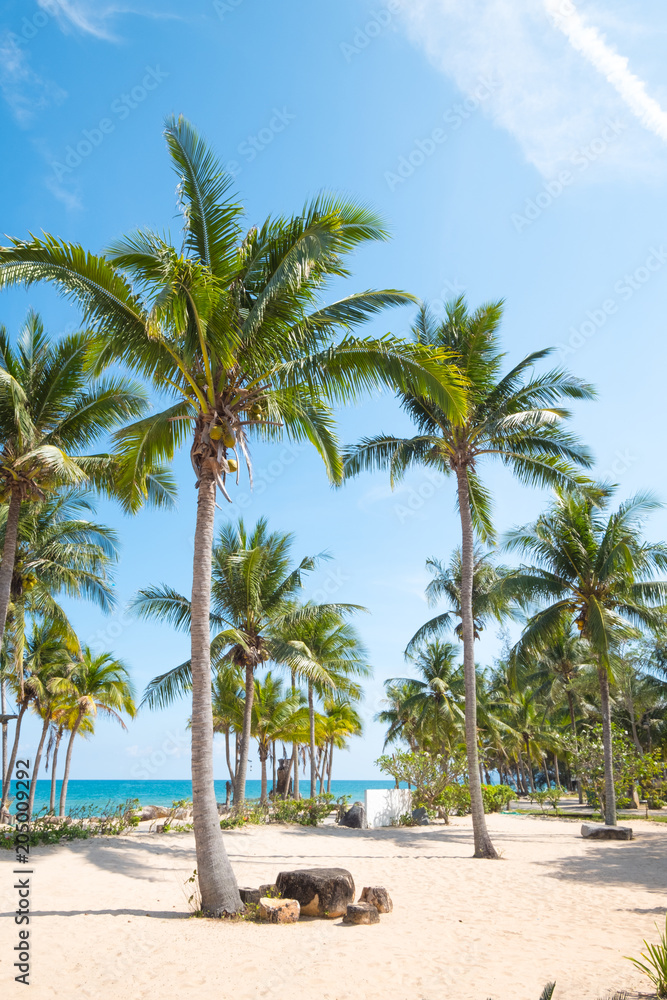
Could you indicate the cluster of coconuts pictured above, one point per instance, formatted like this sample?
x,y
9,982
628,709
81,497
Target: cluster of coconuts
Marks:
x,y
223,432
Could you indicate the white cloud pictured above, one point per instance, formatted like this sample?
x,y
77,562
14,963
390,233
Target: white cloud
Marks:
x,y
89,17
555,89
25,91
593,47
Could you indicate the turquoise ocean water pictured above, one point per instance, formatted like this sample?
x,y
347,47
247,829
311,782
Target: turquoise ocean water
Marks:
x,y
162,793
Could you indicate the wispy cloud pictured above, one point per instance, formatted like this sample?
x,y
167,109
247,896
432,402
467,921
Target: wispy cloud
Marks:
x,y
89,17
587,40
558,79
24,91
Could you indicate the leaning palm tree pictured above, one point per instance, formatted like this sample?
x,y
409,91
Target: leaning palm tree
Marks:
x,y
593,570
96,684
51,412
230,324
517,418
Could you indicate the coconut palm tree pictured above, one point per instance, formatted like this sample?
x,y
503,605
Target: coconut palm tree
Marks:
x,y
334,645
516,418
338,723
51,412
46,655
435,699
275,716
488,602
49,656
591,569
96,684
254,584
232,326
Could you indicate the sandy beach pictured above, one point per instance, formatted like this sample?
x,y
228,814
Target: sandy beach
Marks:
x,y
111,916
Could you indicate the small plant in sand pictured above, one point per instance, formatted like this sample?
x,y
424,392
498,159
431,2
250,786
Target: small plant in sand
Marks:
x,y
654,965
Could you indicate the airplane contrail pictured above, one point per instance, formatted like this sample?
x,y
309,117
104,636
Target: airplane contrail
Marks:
x,y
591,44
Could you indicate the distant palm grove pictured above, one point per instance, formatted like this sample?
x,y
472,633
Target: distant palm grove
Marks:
x,y
230,326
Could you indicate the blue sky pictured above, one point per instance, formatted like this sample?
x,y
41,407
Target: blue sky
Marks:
x,y
517,150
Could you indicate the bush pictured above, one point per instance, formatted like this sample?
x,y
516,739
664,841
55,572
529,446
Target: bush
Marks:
x,y
654,965
80,824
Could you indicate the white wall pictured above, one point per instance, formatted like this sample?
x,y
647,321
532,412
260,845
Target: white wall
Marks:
x,y
386,804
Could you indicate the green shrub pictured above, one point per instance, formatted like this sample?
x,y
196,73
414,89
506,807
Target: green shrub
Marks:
x,y
654,965
80,824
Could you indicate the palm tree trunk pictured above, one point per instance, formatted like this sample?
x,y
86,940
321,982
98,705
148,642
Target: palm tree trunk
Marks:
x,y
12,759
556,769
524,783
330,769
9,557
68,760
609,790
274,768
232,773
483,846
295,753
38,759
263,796
54,762
573,723
217,884
529,765
246,735
311,719
3,711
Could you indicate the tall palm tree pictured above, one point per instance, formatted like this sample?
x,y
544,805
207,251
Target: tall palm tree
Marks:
x,y
488,601
49,657
434,699
252,614
231,325
51,412
594,570
45,656
96,684
516,418
334,645
275,716
339,722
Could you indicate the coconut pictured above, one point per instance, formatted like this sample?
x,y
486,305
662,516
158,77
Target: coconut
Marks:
x,y
232,464
228,436
216,432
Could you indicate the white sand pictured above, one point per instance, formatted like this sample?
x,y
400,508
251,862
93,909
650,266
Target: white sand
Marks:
x,y
111,919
